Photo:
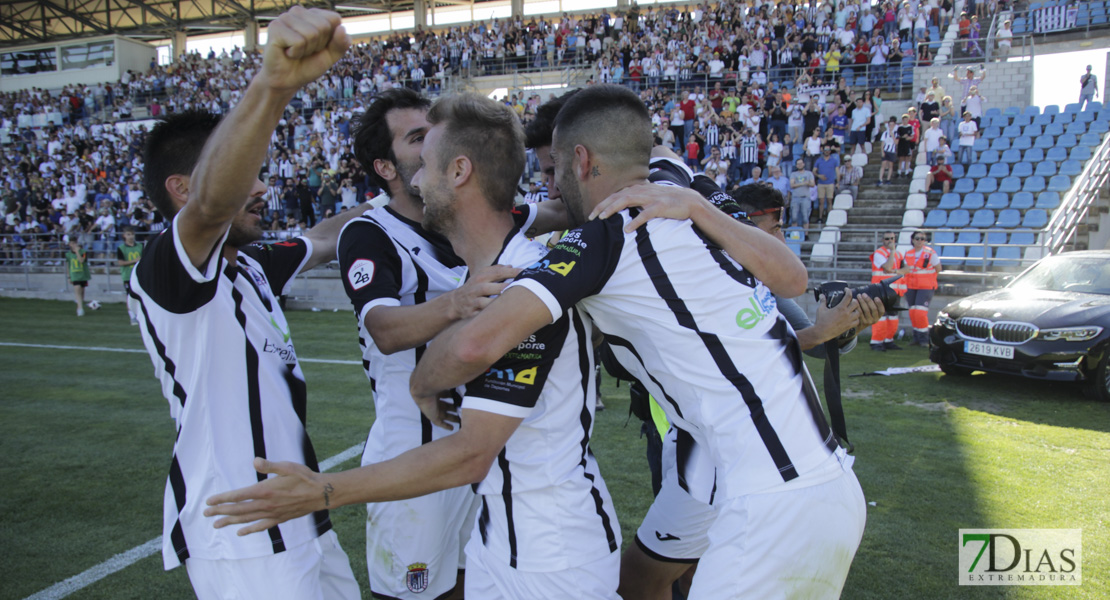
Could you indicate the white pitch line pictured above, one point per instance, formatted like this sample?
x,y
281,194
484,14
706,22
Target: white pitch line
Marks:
x,y
126,559
329,361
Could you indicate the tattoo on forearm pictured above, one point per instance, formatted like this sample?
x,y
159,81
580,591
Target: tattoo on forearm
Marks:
x,y
328,490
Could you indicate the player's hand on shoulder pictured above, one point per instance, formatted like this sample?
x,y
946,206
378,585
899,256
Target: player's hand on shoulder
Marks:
x,y
654,200
303,43
295,492
480,289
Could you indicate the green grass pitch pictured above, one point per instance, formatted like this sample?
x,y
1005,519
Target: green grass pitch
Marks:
x,y
86,438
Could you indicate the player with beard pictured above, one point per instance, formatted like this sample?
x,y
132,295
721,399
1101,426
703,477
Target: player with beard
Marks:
x,y
547,527
213,325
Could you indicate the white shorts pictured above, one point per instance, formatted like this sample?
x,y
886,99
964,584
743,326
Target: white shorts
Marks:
x,y
676,526
788,544
415,547
318,570
489,578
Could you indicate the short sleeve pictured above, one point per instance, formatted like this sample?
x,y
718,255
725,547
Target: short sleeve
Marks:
x,y
524,216
281,261
578,266
511,387
171,280
370,266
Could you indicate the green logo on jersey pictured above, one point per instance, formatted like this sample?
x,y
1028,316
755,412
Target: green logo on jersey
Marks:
x,y
284,332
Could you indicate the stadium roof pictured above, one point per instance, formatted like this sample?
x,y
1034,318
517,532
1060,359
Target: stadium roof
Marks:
x,y
44,21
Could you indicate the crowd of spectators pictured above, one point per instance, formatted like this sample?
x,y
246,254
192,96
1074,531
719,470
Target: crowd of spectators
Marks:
x,y
741,91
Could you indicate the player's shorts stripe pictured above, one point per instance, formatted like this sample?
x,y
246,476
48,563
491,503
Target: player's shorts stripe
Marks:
x,y
713,345
627,345
507,498
586,369
659,557
254,401
177,535
160,348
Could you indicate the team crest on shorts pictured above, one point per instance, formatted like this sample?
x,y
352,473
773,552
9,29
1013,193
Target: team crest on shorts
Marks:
x,y
417,577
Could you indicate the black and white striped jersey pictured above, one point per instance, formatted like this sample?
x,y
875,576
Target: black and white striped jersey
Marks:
x,y
388,260
545,506
705,338
222,351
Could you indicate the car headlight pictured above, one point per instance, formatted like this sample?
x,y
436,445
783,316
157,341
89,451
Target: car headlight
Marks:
x,y
943,320
1071,334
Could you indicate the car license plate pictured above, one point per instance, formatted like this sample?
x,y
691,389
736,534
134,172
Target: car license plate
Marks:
x,y
991,350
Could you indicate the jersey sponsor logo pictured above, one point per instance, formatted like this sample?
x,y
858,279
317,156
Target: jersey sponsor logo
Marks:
x,y
527,376
759,306
666,537
284,332
286,353
417,578
361,273
562,268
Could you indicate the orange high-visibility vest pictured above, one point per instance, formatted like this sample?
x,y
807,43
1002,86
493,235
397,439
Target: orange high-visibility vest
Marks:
x,y
877,273
923,274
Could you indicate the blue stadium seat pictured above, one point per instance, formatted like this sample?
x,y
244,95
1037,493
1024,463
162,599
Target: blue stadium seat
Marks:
x,y
1056,129
1033,155
1032,131
983,218
1022,201
957,171
964,186
1033,184
1022,120
1011,111
944,236
1010,185
1088,139
996,237
992,132
1048,200
1045,169
1019,26
1094,105
1099,127
1071,168
1008,156
1076,128
976,170
1080,153
1041,121
1045,142
1084,118
1071,108
972,201
936,218
986,185
1022,142
1056,154
1008,218
1023,237
998,201
977,256
1062,119
1032,111
989,157
969,237
994,111
1051,109
952,255
1001,143
1007,257
958,218
999,170
1059,183
1035,218
1012,131
1022,169
948,202
981,145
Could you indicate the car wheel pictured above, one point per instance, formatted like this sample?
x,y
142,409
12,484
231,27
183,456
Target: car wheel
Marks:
x,y
955,371
1098,381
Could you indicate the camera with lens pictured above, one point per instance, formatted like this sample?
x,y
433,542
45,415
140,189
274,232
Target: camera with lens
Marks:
x,y
834,292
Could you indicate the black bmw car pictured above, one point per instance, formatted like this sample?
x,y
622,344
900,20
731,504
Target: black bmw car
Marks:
x,y
1051,322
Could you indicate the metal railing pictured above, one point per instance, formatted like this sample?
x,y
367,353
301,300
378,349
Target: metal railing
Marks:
x,y
1062,228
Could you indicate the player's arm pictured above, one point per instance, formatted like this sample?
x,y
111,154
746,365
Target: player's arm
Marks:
x,y
467,349
768,259
303,44
551,215
397,328
325,236
459,459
